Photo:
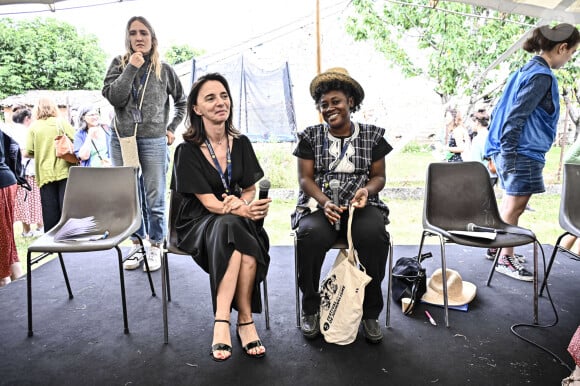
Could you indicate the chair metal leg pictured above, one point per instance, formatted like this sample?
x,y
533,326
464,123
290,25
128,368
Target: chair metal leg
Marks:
x,y
122,281
390,286
29,291
554,252
62,266
492,270
297,290
167,279
535,282
164,295
266,307
444,279
147,266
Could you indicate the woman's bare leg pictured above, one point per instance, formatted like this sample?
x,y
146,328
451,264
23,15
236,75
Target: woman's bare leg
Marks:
x,y
225,295
244,290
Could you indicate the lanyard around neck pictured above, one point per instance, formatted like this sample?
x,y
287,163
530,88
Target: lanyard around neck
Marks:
x,y
142,82
226,180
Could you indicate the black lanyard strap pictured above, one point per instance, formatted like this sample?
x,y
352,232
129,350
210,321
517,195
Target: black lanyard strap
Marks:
x,y
134,90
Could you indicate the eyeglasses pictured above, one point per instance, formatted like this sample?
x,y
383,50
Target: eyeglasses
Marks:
x,y
92,115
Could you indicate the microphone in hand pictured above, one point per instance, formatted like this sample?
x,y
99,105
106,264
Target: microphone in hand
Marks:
x,y
334,186
471,227
264,187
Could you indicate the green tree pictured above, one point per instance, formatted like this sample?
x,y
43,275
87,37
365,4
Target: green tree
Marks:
x,y
46,54
460,40
181,53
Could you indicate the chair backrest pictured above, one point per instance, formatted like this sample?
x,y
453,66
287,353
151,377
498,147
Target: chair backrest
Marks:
x,y
458,193
110,194
569,201
175,199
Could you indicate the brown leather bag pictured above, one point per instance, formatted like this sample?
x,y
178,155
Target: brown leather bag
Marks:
x,y
64,147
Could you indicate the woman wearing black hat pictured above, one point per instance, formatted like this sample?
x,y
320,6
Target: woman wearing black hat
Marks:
x,y
354,154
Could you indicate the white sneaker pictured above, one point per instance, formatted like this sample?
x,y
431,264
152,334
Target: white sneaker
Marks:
x,y
134,261
153,259
38,232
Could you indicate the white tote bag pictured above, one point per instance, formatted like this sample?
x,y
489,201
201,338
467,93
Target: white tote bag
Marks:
x,y
342,294
129,149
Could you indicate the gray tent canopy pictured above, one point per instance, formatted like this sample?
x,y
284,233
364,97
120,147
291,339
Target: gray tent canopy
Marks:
x,y
262,99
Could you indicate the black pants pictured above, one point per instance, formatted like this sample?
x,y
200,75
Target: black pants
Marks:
x,y
315,236
51,198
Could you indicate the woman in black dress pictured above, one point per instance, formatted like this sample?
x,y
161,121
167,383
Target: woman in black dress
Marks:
x,y
215,170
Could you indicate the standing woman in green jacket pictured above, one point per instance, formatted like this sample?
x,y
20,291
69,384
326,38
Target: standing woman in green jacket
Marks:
x,y
51,172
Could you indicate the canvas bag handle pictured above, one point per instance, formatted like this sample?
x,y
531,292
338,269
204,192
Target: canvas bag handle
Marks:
x,y
352,254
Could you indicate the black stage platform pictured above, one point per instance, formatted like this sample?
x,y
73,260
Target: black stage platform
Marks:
x,y
81,341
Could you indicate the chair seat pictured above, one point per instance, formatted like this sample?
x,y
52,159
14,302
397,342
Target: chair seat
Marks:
x,y
520,236
46,243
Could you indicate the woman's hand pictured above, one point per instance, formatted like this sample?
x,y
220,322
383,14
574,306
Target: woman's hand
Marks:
x,y
170,137
231,203
258,209
137,59
333,211
360,198
93,132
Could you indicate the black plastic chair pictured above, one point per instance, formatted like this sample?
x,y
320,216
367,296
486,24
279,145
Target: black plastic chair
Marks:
x,y
111,195
342,243
460,193
569,216
170,246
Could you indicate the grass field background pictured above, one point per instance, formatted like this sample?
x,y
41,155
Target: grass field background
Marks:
x,y
405,169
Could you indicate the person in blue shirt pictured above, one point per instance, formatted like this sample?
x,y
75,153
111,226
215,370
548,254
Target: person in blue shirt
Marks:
x,y
523,128
92,144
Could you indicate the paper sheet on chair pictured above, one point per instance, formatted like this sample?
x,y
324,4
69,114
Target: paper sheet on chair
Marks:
x,y
75,227
479,235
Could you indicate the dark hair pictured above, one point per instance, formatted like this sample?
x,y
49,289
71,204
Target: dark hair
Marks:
x,y
20,113
195,131
545,38
338,85
481,116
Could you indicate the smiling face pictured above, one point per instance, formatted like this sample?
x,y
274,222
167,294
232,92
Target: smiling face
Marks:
x,y
213,102
91,118
335,108
140,37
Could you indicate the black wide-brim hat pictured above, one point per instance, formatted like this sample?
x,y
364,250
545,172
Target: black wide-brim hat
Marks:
x,y
337,74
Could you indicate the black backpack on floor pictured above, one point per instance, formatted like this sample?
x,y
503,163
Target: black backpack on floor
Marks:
x,y
409,280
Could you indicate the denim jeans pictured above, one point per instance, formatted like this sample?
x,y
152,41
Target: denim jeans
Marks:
x,y
152,184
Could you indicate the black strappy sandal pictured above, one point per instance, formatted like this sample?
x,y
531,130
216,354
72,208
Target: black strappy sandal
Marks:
x,y
220,346
251,345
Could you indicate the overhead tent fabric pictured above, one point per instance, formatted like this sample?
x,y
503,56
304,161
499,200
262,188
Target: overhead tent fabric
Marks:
x,y
567,11
261,99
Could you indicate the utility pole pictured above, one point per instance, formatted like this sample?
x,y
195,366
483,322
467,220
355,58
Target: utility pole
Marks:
x,y
317,37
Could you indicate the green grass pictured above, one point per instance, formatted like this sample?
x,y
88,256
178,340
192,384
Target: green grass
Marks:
x,y
404,169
